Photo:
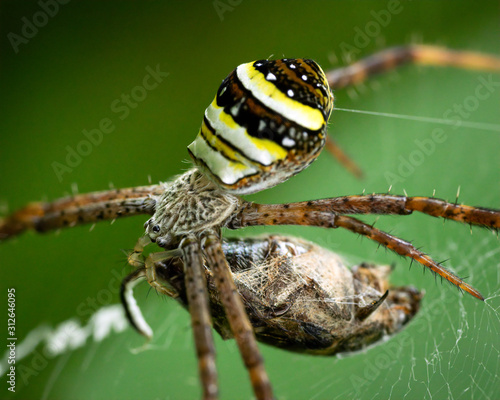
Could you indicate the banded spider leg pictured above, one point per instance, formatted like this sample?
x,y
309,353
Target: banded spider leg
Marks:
x,y
329,213
194,251
390,59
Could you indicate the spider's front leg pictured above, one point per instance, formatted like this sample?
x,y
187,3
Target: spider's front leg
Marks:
x,y
327,213
81,209
197,298
148,265
236,315
382,204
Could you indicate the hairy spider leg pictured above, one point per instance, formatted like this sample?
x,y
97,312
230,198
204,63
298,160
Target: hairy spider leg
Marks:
x,y
237,316
198,306
80,209
390,59
197,295
383,204
333,220
327,213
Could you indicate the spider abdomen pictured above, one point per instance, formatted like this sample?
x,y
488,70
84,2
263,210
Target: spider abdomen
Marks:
x,y
266,123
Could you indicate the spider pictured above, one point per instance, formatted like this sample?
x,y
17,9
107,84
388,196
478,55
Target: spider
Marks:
x,y
267,122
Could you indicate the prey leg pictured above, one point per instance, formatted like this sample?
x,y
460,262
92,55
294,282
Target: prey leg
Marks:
x,y
132,310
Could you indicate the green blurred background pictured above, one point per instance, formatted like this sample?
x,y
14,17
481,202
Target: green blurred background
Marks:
x,y
64,79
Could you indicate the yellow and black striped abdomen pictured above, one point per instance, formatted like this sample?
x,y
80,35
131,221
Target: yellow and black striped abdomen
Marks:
x,y
266,124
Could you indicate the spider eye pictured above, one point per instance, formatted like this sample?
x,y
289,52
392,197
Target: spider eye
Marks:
x,y
266,123
156,228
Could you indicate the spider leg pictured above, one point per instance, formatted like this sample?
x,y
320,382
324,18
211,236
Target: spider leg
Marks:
x,y
135,257
149,264
311,214
197,295
373,204
196,289
403,248
335,150
80,209
237,317
146,270
151,274
394,57
390,59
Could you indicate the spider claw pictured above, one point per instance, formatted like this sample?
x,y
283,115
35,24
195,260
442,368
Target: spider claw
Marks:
x,y
469,289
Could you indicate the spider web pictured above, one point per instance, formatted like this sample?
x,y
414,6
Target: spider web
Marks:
x,y
450,350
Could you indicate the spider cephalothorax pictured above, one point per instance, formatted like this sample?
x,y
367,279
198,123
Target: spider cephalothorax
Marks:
x,y
267,123
190,204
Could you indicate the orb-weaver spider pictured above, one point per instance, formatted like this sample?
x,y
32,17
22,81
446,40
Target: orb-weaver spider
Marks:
x,y
266,124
